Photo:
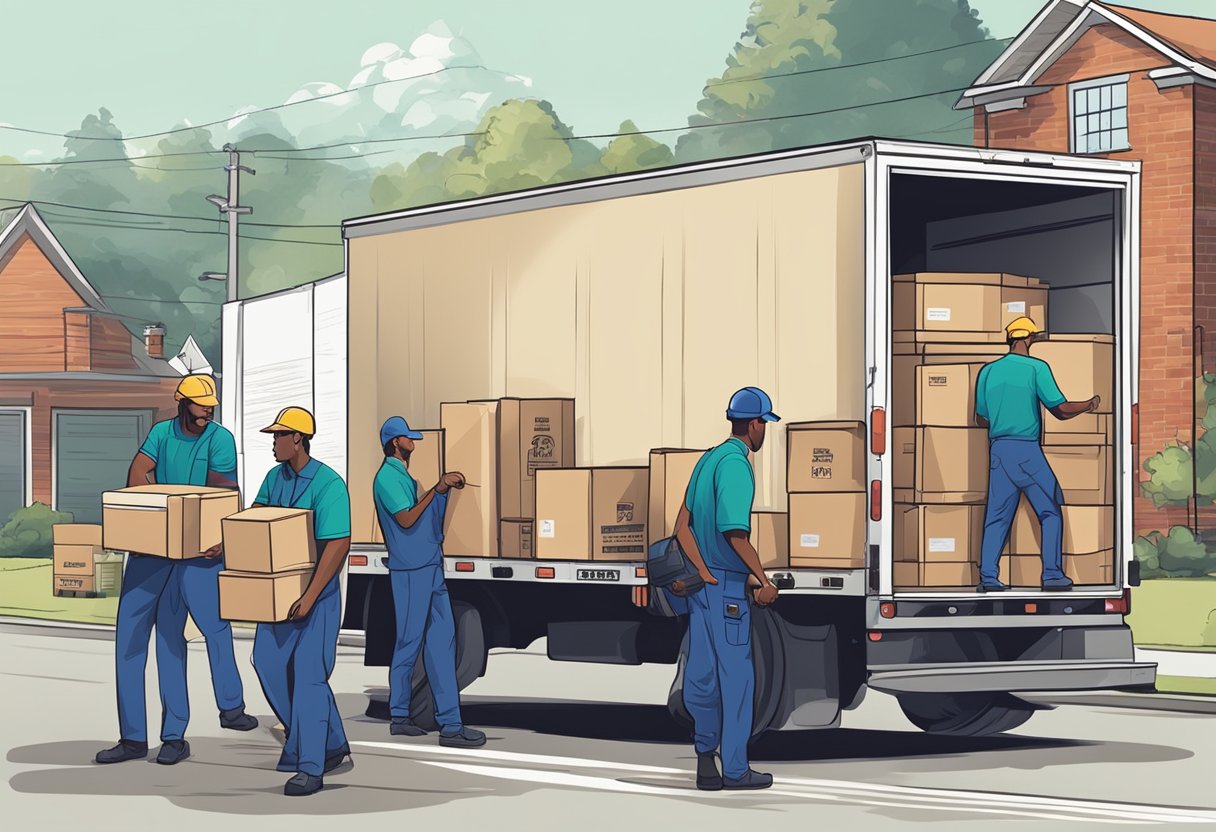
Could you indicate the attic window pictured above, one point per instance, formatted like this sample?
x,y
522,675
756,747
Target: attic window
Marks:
x,y
1099,115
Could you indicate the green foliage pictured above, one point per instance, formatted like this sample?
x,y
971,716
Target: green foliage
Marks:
x,y
633,151
27,534
1171,476
1178,554
1171,471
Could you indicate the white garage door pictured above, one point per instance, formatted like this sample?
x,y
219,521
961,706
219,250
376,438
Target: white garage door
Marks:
x,y
14,462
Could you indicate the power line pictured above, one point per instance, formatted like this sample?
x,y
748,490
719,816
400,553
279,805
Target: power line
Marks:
x,y
118,226
160,216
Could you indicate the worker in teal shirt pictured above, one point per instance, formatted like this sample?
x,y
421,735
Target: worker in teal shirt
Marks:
x,y
1009,395
713,529
412,525
295,658
190,449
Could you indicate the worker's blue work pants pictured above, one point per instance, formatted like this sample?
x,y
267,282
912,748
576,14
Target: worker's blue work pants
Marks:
x,y
424,624
1017,467
719,678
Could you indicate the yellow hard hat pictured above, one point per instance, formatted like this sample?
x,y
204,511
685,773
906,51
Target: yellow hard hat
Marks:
x,y
294,420
199,389
1022,328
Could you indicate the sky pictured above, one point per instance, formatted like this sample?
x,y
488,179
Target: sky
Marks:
x,y
154,63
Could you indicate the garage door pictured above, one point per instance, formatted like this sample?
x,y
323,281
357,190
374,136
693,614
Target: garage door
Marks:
x,y
93,450
13,448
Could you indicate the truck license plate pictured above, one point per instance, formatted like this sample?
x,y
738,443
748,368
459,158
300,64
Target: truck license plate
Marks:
x,y
599,574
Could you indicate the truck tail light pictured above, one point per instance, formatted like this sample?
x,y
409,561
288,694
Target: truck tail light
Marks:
x,y
886,609
358,560
465,566
546,572
1121,605
639,572
876,500
878,431
875,635
641,596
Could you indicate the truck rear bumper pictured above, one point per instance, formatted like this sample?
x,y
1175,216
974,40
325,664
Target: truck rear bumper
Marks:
x,y
1012,677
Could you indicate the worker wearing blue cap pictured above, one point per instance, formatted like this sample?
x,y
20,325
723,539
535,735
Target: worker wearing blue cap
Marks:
x,y
713,529
412,525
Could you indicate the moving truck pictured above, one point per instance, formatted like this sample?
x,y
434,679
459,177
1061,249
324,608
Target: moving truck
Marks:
x,y
648,299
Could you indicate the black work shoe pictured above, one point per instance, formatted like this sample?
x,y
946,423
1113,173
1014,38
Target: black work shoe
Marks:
x,y
1058,585
303,784
464,738
708,778
405,727
173,752
752,780
996,586
337,762
124,751
238,720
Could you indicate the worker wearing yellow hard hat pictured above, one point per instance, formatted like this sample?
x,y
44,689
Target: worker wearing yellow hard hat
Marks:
x,y
295,658
189,449
1010,394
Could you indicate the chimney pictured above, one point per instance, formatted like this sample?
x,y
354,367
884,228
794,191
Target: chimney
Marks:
x,y
154,340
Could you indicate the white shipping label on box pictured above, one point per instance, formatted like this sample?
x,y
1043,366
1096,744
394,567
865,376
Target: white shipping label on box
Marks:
x,y
548,528
937,313
810,541
1018,307
941,544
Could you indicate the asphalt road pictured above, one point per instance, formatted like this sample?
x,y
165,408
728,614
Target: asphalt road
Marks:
x,y
576,747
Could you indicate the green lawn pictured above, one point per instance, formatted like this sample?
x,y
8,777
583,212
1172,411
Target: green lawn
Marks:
x,y
1199,685
1175,612
25,590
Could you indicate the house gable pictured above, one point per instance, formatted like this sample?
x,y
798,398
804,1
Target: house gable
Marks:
x,y
33,296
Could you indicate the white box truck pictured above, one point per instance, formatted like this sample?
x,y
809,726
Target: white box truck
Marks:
x,y
649,298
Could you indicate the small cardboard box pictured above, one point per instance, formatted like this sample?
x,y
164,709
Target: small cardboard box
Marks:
x,y
470,446
670,471
172,521
939,533
951,465
828,528
903,404
945,395
533,433
936,575
826,457
953,302
75,560
771,538
1087,529
591,513
1084,473
425,466
516,538
76,534
250,596
74,583
267,539
1083,366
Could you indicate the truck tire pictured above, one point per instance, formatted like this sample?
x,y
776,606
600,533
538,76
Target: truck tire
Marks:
x,y
768,661
471,657
965,714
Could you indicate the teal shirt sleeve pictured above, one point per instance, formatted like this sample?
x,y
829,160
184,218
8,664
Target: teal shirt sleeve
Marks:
x,y
263,497
154,444
1046,387
222,458
393,490
981,397
331,510
734,490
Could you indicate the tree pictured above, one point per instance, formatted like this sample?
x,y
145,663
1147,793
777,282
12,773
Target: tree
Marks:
x,y
632,151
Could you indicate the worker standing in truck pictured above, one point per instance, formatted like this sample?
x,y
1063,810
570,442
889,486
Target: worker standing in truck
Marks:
x,y
713,528
190,449
1009,395
412,525
295,658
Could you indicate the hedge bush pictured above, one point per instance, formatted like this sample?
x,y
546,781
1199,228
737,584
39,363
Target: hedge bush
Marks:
x,y
27,534
1178,554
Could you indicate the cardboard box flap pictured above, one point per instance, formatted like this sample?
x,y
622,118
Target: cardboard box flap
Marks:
x,y
826,426
76,534
265,514
157,496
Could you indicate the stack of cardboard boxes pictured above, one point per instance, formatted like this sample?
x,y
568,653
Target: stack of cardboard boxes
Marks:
x,y
826,481
269,558
82,568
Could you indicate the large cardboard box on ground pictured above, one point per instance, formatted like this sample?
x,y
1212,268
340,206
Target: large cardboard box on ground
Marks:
x,y
249,596
269,539
76,534
828,530
173,521
939,533
936,575
953,302
1084,473
771,538
591,513
1083,366
533,433
941,465
1087,529
826,457
75,560
945,395
471,434
516,538
426,466
670,471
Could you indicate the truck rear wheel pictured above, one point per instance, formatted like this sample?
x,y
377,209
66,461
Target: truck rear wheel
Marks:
x,y
965,714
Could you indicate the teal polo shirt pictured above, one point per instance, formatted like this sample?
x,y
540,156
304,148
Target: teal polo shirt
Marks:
x,y
394,490
719,498
318,488
1010,393
184,459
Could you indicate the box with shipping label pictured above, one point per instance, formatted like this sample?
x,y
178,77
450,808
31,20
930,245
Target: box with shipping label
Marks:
x,y
911,575
76,534
470,446
977,303
826,457
903,459
945,395
1084,473
591,514
951,465
771,538
425,466
257,597
670,471
74,583
172,521
827,527
516,538
269,539
1087,529
533,433
72,559
1082,365
939,533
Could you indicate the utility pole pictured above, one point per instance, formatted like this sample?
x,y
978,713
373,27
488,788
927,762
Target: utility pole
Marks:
x,y
231,206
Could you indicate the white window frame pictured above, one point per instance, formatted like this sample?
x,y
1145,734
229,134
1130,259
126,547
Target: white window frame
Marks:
x,y
1109,81
27,414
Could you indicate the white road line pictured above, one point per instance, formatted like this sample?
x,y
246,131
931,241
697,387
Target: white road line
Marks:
x,y
517,757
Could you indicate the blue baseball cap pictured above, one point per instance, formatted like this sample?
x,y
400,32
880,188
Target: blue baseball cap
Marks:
x,y
751,403
394,427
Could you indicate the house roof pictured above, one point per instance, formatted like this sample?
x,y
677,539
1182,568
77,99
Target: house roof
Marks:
x,y
1193,36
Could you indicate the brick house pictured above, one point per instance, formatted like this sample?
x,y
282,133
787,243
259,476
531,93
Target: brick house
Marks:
x,y
78,392
1093,78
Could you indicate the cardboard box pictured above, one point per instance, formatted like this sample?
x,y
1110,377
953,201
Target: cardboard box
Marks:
x,y
939,533
1021,570
74,560
1083,366
828,527
173,521
951,465
936,575
928,347
591,513
268,539
980,303
533,433
903,459
902,409
76,534
249,596
670,471
1073,439
470,446
1094,568
826,457
1084,473
516,538
771,538
1087,529
945,395
1088,423
74,583
425,466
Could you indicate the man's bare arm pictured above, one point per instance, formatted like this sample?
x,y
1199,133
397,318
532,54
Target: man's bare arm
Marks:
x,y
142,471
688,543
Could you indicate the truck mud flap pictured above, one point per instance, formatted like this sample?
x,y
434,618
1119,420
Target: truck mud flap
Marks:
x,y
811,677
601,642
